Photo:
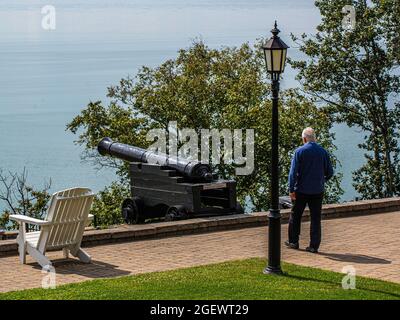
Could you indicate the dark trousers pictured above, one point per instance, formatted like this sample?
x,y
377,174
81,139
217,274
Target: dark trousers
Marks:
x,y
315,205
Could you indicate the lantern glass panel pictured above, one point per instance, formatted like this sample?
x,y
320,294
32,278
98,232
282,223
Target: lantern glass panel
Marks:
x,y
268,60
276,60
283,60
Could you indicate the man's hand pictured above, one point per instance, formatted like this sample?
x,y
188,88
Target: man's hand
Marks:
x,y
293,196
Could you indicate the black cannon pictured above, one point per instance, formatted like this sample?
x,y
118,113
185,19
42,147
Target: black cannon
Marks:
x,y
174,188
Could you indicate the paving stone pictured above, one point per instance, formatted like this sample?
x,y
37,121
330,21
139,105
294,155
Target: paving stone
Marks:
x,y
369,243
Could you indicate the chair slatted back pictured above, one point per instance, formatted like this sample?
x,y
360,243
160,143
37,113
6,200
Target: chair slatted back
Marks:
x,y
68,211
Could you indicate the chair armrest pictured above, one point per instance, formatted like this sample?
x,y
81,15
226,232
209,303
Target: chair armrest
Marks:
x,y
25,219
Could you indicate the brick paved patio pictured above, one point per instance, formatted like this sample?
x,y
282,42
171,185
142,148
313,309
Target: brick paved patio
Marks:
x,y
369,243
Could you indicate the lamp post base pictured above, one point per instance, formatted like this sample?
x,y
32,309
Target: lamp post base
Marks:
x,y
274,243
273,270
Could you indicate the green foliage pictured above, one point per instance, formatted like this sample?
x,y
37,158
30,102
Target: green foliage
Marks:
x,y
107,205
21,198
391,9
211,89
355,73
5,223
114,121
233,280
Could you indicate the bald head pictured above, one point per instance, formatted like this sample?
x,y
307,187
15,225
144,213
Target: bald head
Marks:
x,y
308,135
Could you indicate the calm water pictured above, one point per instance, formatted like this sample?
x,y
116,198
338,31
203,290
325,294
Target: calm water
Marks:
x,y
47,77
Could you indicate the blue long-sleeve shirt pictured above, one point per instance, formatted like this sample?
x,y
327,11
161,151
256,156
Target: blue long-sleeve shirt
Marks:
x,y
311,168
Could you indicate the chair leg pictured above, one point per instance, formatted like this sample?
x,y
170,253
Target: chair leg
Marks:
x,y
66,253
39,257
22,243
82,255
22,252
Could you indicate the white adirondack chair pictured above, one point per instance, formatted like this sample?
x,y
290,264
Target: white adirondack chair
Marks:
x,y
63,227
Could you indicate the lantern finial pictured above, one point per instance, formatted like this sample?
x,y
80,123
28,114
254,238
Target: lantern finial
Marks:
x,y
275,31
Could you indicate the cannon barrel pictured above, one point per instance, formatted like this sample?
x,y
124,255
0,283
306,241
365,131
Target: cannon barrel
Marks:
x,y
193,170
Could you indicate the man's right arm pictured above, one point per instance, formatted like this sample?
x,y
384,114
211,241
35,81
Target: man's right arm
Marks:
x,y
294,168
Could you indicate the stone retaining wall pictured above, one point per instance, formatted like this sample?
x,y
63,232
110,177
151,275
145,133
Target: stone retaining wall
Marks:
x,y
200,225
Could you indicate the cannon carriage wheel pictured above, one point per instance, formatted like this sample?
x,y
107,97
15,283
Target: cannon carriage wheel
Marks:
x,y
175,213
132,211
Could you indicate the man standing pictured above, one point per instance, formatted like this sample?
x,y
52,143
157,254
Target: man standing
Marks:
x,y
310,169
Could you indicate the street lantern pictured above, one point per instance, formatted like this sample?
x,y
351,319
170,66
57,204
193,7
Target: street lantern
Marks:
x,y
275,54
275,58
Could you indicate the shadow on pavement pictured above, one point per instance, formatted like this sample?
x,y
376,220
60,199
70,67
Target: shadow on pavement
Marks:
x,y
355,258
95,269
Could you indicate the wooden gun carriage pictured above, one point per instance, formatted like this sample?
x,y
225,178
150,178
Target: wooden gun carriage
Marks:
x,y
171,188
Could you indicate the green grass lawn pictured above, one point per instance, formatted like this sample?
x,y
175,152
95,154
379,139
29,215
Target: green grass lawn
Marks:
x,y
230,280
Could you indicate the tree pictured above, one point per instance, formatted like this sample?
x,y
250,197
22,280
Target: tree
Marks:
x,y
354,73
210,89
20,198
391,8
106,206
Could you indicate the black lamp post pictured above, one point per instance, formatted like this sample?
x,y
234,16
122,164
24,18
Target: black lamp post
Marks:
x,y
275,57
